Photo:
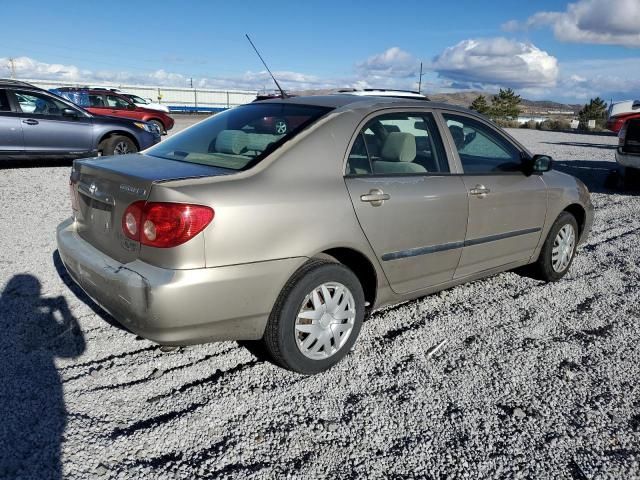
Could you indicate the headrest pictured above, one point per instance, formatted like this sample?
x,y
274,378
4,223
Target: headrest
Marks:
x,y
399,147
259,142
231,141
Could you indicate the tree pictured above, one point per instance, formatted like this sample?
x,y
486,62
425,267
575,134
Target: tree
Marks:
x,y
596,110
505,104
480,105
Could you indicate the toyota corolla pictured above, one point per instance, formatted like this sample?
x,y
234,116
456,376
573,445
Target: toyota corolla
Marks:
x,y
289,220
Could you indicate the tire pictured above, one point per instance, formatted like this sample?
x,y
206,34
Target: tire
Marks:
x,y
550,267
160,126
631,177
283,337
117,145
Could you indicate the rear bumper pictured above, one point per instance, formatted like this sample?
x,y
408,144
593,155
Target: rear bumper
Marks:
x,y
632,161
177,307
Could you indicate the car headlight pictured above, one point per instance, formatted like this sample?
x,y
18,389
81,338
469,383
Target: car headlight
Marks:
x,y
144,126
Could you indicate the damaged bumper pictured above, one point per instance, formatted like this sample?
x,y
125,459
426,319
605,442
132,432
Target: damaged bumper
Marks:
x,y
177,307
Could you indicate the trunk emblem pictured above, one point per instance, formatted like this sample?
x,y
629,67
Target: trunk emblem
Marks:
x,y
140,192
92,188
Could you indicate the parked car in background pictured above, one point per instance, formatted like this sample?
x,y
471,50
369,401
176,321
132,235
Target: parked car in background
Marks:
x,y
620,112
146,103
628,151
35,123
382,92
108,102
234,230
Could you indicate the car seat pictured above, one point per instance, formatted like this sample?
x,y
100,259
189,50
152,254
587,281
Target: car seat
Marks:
x,y
398,154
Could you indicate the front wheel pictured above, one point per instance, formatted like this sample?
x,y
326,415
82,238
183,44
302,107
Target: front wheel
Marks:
x,y
559,248
316,319
117,145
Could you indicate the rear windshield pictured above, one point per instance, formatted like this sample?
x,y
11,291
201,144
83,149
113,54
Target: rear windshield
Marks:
x,y
239,138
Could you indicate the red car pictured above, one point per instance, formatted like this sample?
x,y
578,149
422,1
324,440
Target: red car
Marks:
x,y
114,104
616,122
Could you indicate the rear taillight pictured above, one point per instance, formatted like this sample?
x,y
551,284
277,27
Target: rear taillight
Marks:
x,y
621,135
164,225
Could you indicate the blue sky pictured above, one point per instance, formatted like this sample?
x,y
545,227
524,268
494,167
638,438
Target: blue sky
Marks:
x,y
545,49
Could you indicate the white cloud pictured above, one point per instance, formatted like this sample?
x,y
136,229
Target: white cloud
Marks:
x,y
497,62
607,22
392,63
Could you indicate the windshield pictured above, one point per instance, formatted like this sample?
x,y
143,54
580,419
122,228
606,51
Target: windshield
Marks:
x,y
239,138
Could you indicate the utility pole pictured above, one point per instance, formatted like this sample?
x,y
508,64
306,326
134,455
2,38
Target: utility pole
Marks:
x,y
12,67
191,81
420,80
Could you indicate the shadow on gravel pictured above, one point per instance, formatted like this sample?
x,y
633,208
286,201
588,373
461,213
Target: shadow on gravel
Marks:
x,y
80,294
35,331
604,146
599,176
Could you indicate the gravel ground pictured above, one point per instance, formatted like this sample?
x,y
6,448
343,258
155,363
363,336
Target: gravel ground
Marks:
x,y
533,380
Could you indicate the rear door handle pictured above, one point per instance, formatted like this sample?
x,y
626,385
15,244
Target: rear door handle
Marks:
x,y
479,190
30,121
375,197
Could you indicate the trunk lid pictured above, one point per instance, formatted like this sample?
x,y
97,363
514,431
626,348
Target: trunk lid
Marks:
x,y
105,187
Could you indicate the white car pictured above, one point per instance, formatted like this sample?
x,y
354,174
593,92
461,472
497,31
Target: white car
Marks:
x,y
146,102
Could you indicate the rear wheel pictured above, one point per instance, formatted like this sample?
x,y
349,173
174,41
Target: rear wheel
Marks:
x,y
117,145
631,177
316,318
559,249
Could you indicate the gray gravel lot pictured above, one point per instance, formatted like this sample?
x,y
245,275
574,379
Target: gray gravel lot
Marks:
x,y
533,381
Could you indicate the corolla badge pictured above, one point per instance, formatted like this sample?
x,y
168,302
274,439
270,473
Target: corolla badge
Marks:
x,y
138,191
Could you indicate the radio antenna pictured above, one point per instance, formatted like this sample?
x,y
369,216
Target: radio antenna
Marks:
x,y
282,94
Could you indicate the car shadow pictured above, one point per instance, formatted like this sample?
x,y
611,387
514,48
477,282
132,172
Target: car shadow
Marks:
x,y
603,146
598,175
36,330
81,295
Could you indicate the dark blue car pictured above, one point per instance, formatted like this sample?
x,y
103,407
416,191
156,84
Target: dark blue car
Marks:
x,y
38,124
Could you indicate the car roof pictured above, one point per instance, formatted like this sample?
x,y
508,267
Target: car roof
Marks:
x,y
349,102
7,82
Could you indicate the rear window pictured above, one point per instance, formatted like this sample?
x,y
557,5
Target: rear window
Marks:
x,y
239,138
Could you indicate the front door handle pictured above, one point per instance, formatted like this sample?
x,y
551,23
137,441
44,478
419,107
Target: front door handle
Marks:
x,y
375,197
479,191
30,121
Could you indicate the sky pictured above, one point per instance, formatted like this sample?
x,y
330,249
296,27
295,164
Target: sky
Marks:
x,y
547,49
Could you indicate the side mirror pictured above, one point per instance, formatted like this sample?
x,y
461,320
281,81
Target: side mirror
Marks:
x,y
69,112
541,163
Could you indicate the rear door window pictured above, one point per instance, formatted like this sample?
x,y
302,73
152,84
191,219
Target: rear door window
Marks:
x,y
398,143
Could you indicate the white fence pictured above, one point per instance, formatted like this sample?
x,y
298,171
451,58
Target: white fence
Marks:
x,y
177,99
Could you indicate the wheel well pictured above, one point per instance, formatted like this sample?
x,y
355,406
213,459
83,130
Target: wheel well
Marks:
x,y
157,120
124,134
580,215
360,265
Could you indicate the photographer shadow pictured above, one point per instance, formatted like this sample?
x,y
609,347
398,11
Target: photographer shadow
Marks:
x,y
35,331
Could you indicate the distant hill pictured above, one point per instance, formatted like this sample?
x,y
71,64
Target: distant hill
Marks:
x,y
466,97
